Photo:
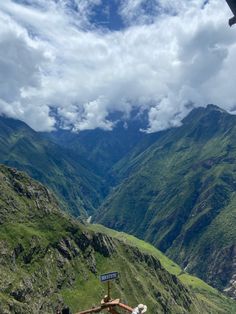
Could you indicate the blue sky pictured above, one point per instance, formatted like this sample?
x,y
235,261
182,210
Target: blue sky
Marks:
x,y
106,15
88,59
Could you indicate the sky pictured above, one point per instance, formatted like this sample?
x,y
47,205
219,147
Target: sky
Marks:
x,y
73,63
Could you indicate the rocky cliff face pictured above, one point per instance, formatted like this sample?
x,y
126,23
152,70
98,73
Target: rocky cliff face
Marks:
x,y
225,268
48,259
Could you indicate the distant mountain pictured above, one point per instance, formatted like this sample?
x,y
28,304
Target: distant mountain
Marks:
x,y
103,149
47,260
76,166
179,194
79,189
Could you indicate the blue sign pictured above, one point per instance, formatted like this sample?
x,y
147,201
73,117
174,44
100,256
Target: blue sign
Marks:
x,y
109,276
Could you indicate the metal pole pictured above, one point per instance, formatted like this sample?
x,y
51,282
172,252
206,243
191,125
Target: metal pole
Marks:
x,y
109,292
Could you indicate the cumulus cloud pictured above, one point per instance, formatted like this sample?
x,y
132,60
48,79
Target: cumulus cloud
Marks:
x,y
172,56
21,60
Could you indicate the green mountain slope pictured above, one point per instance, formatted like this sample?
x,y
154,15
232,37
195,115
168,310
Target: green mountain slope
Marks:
x,y
67,175
179,194
103,149
48,259
176,189
202,290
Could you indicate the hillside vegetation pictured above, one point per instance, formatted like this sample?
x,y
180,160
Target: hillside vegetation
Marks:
x,y
69,176
174,189
47,259
179,194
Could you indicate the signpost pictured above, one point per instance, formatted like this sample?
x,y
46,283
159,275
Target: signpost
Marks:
x,y
107,303
107,278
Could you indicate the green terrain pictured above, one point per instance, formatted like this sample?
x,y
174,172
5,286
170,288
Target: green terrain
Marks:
x,y
47,259
179,194
69,176
174,189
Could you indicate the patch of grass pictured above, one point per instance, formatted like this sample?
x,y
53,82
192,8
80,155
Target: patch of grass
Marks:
x,y
202,290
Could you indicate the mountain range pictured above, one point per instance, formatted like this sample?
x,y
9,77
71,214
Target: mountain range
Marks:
x,y
174,189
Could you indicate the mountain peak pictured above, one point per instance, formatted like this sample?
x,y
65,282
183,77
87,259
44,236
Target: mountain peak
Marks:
x,y
214,107
211,111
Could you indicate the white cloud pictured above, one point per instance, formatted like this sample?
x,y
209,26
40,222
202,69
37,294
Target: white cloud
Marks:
x,y
148,11
94,116
21,60
51,58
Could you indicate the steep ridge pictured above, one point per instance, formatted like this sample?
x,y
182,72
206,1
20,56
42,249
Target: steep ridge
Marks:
x,y
179,194
103,149
79,189
48,259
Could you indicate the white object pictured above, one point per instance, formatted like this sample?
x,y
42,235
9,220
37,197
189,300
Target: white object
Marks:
x,y
140,309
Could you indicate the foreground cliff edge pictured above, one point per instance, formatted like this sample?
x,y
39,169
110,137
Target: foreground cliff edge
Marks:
x,y
47,259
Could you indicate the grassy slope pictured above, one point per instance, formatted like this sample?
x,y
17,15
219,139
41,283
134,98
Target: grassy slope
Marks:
x,y
67,175
197,286
47,259
178,194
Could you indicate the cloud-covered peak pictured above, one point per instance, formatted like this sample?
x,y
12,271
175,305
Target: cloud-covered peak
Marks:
x,y
84,60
